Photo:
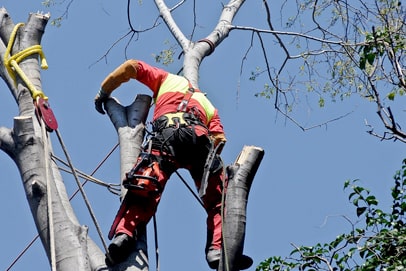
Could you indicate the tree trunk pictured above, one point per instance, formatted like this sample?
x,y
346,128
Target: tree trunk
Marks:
x,y
68,244
240,177
129,123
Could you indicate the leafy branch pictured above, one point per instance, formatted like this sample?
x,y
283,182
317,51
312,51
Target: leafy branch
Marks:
x,y
337,48
380,245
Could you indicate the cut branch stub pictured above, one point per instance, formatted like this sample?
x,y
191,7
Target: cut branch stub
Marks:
x,y
129,122
240,177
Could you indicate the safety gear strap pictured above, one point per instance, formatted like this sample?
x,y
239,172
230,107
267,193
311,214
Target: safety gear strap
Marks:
x,y
183,104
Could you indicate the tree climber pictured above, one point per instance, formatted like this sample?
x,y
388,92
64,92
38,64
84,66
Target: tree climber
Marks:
x,y
186,128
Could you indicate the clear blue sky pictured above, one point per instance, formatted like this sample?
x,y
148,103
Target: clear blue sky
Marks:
x,y
299,183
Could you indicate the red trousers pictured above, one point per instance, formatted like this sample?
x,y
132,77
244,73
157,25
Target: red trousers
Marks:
x,y
140,210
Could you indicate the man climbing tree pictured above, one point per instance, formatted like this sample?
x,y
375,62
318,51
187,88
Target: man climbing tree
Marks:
x,y
186,133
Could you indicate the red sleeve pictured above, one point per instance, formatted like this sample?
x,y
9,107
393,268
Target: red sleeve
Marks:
x,y
215,125
150,76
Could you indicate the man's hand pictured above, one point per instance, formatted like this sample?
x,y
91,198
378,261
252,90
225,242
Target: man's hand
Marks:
x,y
99,101
217,138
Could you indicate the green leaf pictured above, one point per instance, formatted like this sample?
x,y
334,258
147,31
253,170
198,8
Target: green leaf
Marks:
x,y
371,200
371,58
361,210
321,102
362,63
391,96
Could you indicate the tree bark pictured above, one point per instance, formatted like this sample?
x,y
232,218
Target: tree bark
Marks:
x,y
240,177
129,122
26,144
194,52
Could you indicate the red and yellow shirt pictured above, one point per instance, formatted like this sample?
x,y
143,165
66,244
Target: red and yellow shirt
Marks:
x,y
168,91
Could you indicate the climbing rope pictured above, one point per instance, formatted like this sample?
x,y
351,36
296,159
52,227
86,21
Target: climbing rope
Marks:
x,y
96,169
11,62
70,198
222,211
49,198
113,188
82,191
156,243
189,188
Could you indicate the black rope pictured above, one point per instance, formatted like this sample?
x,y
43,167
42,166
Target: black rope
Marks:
x,y
189,188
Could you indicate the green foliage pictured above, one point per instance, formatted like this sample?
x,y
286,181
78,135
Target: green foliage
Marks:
x,y
166,56
50,3
380,41
341,48
379,245
267,92
57,22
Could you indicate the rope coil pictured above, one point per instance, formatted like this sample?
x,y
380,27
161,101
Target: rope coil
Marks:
x,y
11,62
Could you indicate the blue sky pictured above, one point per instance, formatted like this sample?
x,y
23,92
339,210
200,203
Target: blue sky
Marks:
x,y
297,194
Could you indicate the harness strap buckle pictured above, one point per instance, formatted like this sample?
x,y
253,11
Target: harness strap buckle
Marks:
x,y
183,104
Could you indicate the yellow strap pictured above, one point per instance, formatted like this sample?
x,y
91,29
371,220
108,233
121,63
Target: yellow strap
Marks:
x,y
11,62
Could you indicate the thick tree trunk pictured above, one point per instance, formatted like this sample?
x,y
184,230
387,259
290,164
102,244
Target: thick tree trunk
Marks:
x,y
129,122
68,244
240,177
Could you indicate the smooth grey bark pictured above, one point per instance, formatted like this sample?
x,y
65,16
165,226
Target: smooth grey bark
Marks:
x,y
240,177
195,52
129,122
31,151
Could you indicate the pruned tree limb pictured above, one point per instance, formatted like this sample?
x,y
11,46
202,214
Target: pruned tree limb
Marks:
x,y
129,122
240,177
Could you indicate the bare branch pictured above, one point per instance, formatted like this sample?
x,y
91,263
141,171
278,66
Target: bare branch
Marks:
x,y
165,14
132,33
7,141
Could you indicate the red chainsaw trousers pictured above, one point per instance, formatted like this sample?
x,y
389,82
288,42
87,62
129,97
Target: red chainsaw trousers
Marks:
x,y
140,210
